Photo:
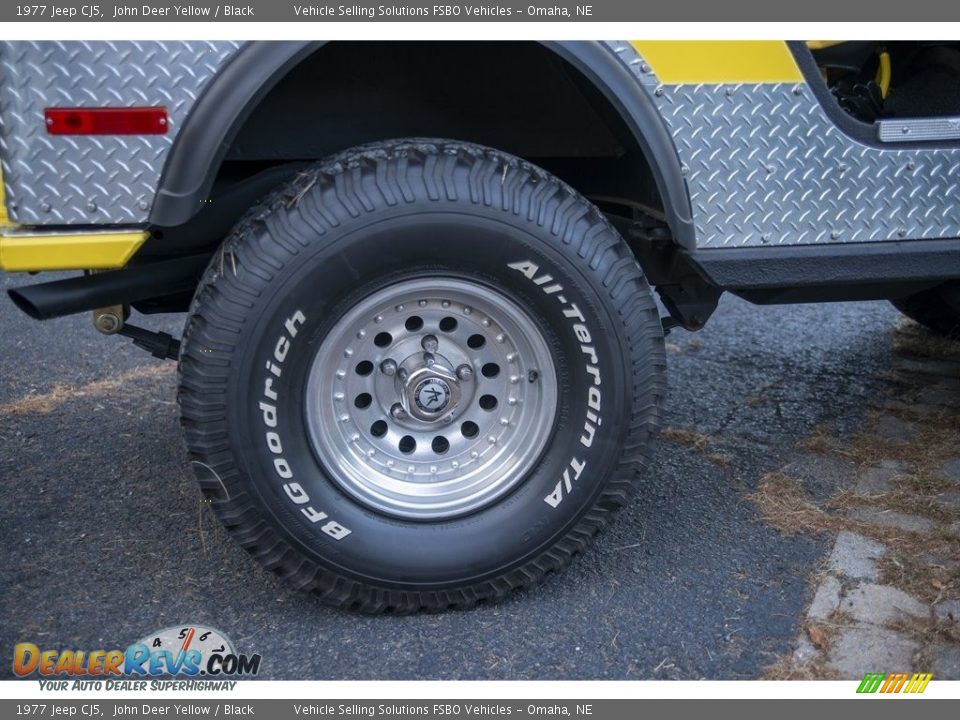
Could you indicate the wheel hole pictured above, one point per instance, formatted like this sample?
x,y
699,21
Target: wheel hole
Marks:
x,y
363,400
448,324
475,342
379,428
413,323
469,429
383,339
488,402
440,445
364,367
407,445
490,370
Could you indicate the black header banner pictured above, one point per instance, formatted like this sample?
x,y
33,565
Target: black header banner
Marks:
x,y
318,11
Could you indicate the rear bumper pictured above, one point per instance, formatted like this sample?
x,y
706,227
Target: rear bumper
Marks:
x,y
25,250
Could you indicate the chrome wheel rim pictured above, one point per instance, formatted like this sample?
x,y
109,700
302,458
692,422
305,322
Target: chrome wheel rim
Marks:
x,y
431,399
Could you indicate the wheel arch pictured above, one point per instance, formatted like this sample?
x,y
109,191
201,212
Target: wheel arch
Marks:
x,y
213,122
231,97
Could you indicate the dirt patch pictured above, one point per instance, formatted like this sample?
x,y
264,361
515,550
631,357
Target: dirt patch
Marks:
x,y
50,401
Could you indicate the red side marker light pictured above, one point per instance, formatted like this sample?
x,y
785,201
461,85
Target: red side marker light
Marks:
x,y
106,121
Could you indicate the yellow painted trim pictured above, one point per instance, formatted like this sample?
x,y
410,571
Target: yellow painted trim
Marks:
x,y
96,251
676,62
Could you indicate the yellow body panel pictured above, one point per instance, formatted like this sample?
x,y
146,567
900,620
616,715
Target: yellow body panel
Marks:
x,y
94,251
676,62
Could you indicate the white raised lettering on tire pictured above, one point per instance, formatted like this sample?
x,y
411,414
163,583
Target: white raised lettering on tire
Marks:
x,y
267,406
592,418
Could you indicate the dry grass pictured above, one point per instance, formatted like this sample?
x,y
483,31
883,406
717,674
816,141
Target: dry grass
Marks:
x,y
819,441
50,401
930,634
903,501
718,459
923,564
911,340
695,441
921,576
822,636
936,440
784,504
787,669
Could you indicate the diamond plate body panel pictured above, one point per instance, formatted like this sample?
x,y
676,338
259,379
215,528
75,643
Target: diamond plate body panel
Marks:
x,y
66,180
765,165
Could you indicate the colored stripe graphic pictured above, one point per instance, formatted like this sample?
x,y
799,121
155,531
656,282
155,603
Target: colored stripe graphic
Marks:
x,y
894,683
870,683
898,680
922,680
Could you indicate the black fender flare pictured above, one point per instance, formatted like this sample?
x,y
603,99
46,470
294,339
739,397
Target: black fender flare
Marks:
x,y
625,93
227,101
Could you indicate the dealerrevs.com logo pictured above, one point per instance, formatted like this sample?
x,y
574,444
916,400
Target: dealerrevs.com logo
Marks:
x,y
191,651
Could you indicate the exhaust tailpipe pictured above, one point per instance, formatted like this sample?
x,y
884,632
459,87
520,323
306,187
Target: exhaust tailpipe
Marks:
x,y
116,287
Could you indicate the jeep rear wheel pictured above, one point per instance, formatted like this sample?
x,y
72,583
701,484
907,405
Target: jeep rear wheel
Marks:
x,y
419,376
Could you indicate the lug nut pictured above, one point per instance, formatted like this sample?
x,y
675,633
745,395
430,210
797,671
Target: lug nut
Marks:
x,y
429,359
430,343
403,374
397,412
388,367
465,372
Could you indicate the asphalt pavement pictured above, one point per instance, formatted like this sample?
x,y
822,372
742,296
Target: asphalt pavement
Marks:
x,y
104,537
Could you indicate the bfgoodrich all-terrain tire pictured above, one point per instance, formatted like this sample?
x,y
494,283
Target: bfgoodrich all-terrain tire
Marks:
x,y
421,375
937,309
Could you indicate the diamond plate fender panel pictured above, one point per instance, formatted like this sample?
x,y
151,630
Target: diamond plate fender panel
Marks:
x,y
67,180
765,165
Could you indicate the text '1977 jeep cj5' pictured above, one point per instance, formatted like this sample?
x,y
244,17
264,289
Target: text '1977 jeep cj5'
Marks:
x,y
422,364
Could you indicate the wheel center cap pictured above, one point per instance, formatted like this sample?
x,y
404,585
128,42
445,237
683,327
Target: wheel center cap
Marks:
x,y
432,395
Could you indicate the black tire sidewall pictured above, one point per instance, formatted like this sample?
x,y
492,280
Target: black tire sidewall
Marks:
x,y
323,280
